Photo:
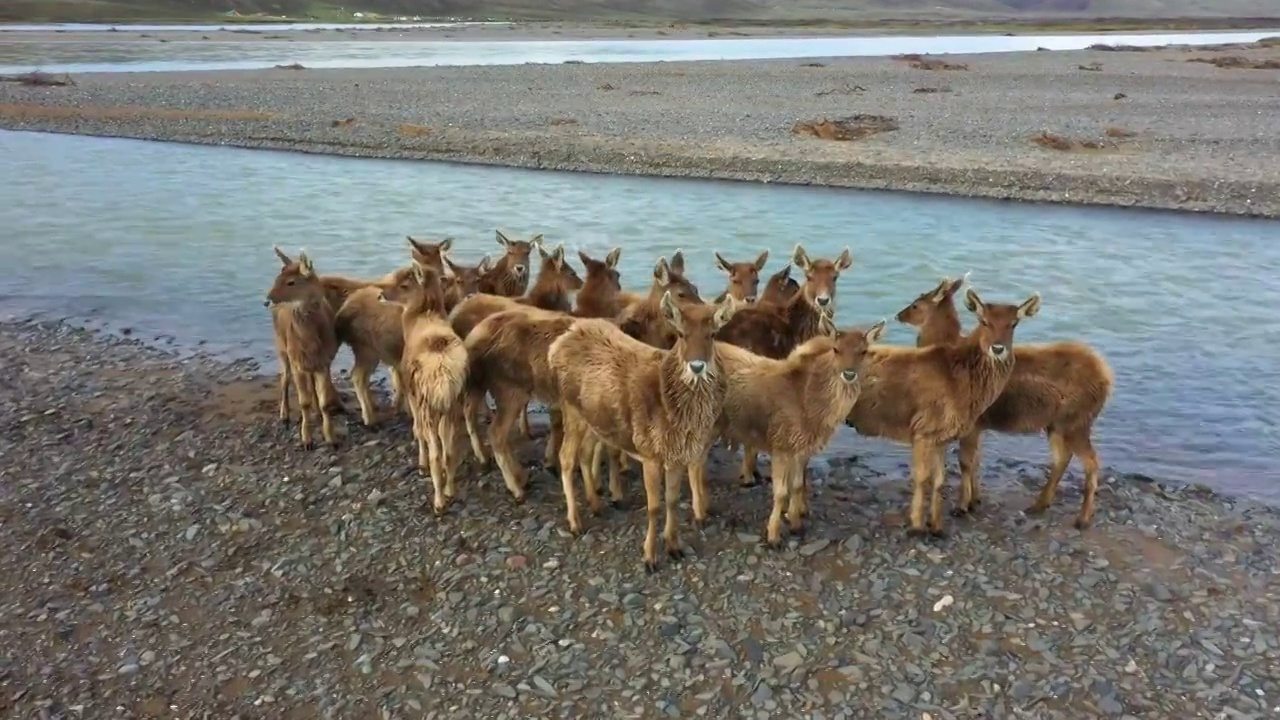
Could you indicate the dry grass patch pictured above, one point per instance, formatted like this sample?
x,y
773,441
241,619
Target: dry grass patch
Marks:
x,y
1103,47
343,123
20,111
606,87
1119,132
813,65
292,66
847,89
411,130
856,127
1091,67
1236,62
555,122
39,79
932,90
644,92
920,62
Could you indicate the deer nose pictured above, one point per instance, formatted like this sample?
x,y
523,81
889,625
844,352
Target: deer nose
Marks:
x,y
750,298
519,269
848,375
697,367
823,300
266,303
998,350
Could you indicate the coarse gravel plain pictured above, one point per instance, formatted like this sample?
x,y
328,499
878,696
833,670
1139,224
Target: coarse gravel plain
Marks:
x,y
1163,128
169,551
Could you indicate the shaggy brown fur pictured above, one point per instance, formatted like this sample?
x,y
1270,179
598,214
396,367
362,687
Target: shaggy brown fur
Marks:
x,y
510,275
306,337
599,296
930,397
1058,388
780,287
435,368
508,359
658,406
790,408
773,331
462,281
646,320
744,277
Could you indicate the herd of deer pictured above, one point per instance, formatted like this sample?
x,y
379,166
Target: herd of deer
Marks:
x,y
661,377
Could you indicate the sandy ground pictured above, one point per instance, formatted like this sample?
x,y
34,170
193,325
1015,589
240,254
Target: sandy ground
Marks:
x,y
1165,129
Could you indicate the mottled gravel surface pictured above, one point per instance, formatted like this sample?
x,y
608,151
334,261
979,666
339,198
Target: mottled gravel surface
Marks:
x,y
168,551
1141,128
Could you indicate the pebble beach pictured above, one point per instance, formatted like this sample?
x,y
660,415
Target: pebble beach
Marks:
x,y
1173,128
170,551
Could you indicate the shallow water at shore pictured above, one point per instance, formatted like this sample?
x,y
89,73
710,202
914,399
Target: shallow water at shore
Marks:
x,y
102,54
171,240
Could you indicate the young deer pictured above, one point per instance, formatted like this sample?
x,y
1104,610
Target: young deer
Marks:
x,y
430,254
337,289
435,369
304,320
930,397
780,287
645,320
510,275
773,331
508,360
373,331
600,296
744,277
1058,388
790,408
461,281
659,406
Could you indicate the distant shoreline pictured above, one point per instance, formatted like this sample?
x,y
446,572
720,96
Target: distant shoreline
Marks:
x,y
1131,128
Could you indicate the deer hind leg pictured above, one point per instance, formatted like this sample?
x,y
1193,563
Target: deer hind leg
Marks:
x,y
435,456
324,404
399,399
970,461
334,406
555,434
571,443
797,505
750,471
617,463
921,459
509,402
286,377
781,470
449,428
653,505
472,403
364,366
1083,446
1059,459
524,422
673,476
304,386
937,481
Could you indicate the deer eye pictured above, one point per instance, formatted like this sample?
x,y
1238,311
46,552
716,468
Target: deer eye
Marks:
x,y
290,282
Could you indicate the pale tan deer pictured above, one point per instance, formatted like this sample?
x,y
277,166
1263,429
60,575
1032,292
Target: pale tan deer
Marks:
x,y
305,329
510,275
930,397
435,369
1057,388
744,278
659,406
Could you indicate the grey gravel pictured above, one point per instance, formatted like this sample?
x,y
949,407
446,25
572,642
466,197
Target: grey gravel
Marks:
x,y
1202,136
298,596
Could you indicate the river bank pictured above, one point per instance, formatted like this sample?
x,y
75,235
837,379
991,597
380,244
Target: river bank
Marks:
x,y
168,548
1185,129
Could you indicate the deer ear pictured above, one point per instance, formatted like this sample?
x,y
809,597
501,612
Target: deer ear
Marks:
x,y
845,261
875,332
957,284
486,263
557,256
670,312
1030,307
545,255
536,240
502,239
419,274
446,245
449,266
784,273
723,264
662,272
284,259
677,261
304,265
800,258
611,260
940,293
724,313
762,260
973,302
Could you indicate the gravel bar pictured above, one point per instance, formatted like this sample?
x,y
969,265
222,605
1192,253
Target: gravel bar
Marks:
x,y
1129,128
169,551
